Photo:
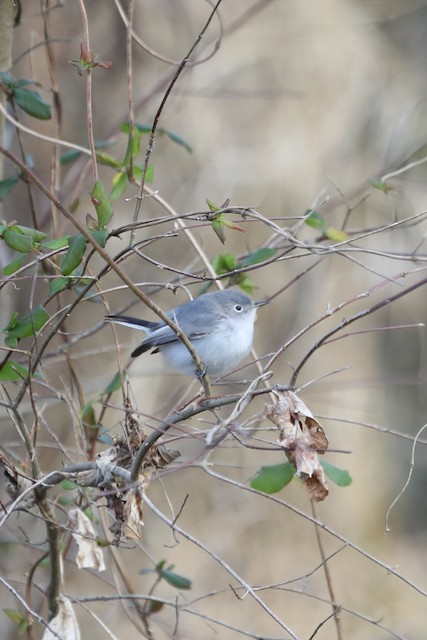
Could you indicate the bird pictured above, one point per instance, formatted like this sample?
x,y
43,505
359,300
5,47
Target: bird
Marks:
x,y
220,326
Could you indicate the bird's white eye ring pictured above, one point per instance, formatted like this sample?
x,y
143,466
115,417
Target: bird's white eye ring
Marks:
x,y
238,308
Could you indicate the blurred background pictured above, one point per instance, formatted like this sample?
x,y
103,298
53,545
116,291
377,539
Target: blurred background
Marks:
x,y
299,108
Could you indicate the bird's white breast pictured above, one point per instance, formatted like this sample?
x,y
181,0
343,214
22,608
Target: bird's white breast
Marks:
x,y
220,351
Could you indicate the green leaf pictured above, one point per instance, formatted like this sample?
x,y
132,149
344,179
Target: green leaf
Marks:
x,y
212,206
14,615
30,323
88,416
35,234
32,103
65,501
28,326
220,221
314,220
381,186
119,183
137,173
59,284
114,385
56,243
176,580
22,82
341,477
246,284
218,227
149,174
18,619
172,578
68,485
273,478
231,225
69,156
102,542
7,185
89,513
261,255
12,322
73,206
336,234
7,79
224,263
73,154
178,140
102,203
16,240
13,266
132,147
144,128
74,255
44,563
100,236
11,370
107,160
135,143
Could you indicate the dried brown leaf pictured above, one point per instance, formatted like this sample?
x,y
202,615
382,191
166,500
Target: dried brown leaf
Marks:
x,y
89,555
64,624
133,515
303,439
123,499
159,457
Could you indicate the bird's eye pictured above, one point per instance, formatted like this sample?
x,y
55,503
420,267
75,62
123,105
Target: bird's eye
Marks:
x,y
238,308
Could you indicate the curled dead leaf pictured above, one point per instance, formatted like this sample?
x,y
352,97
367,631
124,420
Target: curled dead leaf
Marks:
x,y
89,555
303,439
64,625
124,497
159,457
133,515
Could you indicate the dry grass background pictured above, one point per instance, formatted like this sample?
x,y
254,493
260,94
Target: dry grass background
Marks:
x,y
302,99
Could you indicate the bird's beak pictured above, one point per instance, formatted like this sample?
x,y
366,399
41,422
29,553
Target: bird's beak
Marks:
x,y
261,303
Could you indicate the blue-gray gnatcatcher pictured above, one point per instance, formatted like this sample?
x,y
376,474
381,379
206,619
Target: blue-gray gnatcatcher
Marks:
x,y
220,326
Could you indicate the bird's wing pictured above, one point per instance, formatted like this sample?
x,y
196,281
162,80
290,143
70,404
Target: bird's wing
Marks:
x,y
163,335
159,333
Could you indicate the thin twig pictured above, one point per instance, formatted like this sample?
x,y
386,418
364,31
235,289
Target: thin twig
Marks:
x,y
150,145
144,46
328,577
348,321
32,613
369,556
89,115
223,564
405,486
